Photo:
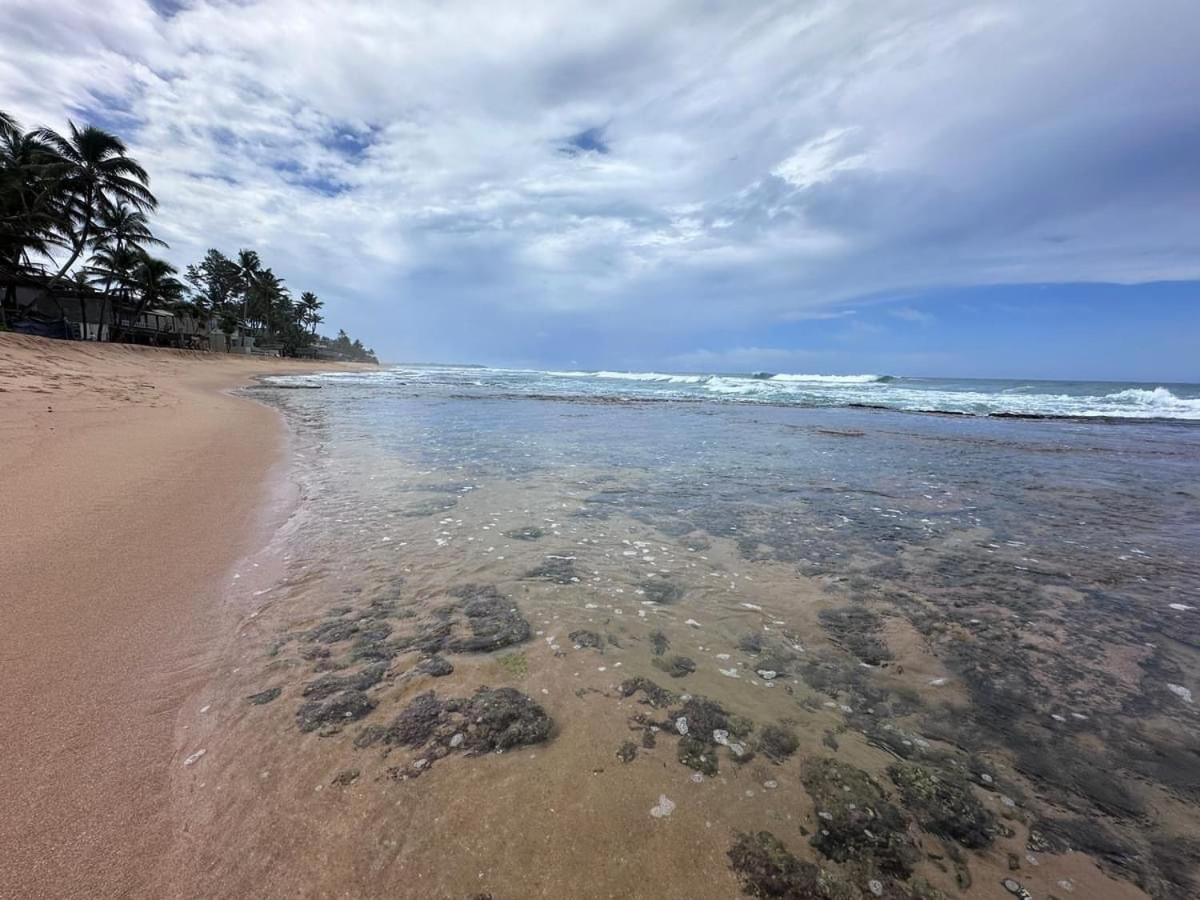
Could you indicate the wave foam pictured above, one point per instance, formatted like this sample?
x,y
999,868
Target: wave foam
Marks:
x,y
833,379
661,377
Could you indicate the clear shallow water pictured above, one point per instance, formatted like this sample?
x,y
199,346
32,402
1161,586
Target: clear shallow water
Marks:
x,y
1009,597
979,397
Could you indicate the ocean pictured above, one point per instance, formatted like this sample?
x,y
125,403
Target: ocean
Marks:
x,y
966,396
606,630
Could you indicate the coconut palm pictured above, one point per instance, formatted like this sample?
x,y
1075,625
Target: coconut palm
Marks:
x,y
121,232
31,208
94,174
309,306
155,284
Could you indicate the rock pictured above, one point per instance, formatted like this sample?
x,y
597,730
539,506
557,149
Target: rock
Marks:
x,y
332,632
415,724
558,569
1014,887
676,666
659,642
875,886
345,777
663,808
627,752
766,869
658,697
697,754
660,591
528,533
1181,692
488,721
344,706
858,821
767,674
502,718
328,685
944,805
494,621
194,758
435,666
584,638
681,725
777,743
265,696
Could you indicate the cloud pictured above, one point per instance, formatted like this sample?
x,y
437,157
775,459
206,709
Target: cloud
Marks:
x,y
454,177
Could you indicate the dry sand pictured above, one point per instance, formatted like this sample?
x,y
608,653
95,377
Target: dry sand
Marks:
x,y
130,483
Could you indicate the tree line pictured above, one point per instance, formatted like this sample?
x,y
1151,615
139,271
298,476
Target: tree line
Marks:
x,y
74,218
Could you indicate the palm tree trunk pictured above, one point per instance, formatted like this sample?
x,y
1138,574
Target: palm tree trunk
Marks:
x,y
79,245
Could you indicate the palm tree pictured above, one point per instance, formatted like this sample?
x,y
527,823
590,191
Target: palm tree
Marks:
x,y
94,173
155,283
30,204
121,233
250,269
309,306
112,267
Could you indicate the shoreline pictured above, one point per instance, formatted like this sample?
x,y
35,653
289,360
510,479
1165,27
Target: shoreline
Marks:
x,y
134,484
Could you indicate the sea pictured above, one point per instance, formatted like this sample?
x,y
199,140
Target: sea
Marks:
x,y
744,605
965,396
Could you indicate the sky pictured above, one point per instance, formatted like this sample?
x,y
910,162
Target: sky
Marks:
x,y
936,187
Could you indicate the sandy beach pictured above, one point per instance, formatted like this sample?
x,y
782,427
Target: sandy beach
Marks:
x,y
131,483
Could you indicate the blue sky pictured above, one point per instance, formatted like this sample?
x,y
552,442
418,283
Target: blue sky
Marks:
x,y
967,187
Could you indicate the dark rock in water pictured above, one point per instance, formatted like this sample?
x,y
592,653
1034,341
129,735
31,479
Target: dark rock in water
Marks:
x,y
676,666
698,754
559,569
502,718
332,632
766,869
944,805
658,697
660,591
529,533
627,752
585,638
345,777
415,724
704,717
659,642
777,743
751,643
435,666
375,651
856,819
373,632
342,707
855,628
335,611
489,720
362,680
314,652
369,735
494,622
265,696
649,742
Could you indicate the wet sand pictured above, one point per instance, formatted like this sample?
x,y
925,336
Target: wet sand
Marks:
x,y
131,483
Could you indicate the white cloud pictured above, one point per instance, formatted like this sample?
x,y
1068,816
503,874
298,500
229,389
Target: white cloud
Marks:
x,y
762,165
